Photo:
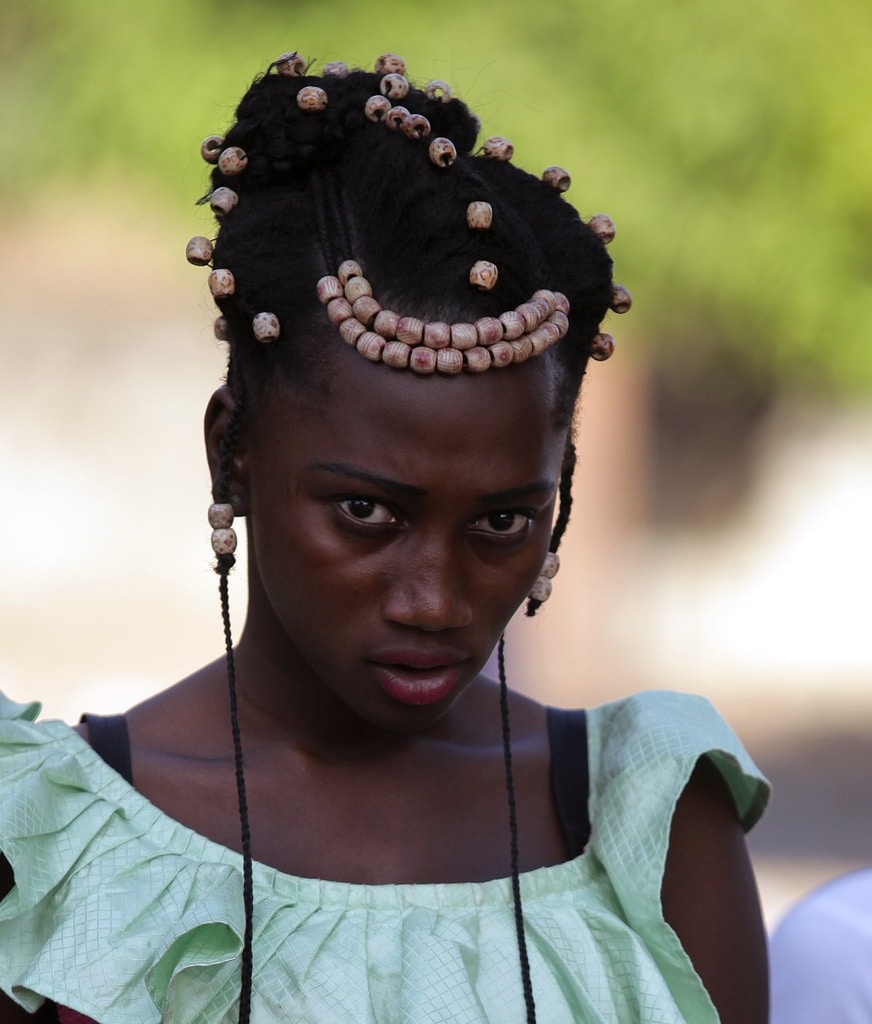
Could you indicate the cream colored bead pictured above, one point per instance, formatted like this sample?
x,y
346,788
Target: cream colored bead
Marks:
x,y
498,148
531,315
546,296
335,69
395,116
478,359
603,227
396,354
416,126
370,346
479,216
410,330
438,90
366,308
513,324
232,161
376,107
355,287
329,288
210,148
422,359
489,330
542,305
443,152
291,65
220,329
557,178
351,329
449,360
266,327
551,565
437,334
390,64
348,269
312,99
198,251
562,303
502,353
339,310
223,200
602,347
483,274
386,322
621,299
463,336
543,337
224,541
220,515
522,349
541,589
394,86
561,320
221,283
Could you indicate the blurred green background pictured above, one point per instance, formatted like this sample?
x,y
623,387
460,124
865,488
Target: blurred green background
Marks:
x,y
731,142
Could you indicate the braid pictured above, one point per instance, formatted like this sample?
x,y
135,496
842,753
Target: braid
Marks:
x,y
564,508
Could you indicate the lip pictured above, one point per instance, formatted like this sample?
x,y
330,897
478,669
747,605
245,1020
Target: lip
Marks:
x,y
418,677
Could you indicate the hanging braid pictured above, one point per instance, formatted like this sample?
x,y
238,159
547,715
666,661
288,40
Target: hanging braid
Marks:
x,y
564,508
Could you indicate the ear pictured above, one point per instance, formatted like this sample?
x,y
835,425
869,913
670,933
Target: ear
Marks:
x,y
216,423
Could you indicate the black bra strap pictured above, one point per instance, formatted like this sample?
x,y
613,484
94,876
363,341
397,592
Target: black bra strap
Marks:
x,y
108,736
567,736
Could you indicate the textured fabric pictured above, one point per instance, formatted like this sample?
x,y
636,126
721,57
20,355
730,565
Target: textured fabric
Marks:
x,y
130,918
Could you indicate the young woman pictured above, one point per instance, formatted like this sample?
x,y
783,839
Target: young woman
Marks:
x,y
370,829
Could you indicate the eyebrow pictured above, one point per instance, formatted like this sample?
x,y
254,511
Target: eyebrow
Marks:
x,y
537,487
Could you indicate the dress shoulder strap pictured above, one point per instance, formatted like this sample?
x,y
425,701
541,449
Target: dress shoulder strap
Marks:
x,y
109,738
570,780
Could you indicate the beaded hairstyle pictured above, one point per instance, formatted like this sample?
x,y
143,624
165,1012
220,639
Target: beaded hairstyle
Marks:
x,y
356,207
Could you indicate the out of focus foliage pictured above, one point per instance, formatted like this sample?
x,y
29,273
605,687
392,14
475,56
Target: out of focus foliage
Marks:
x,y
732,143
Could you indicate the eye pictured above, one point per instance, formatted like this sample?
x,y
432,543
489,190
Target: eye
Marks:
x,y
363,510
511,525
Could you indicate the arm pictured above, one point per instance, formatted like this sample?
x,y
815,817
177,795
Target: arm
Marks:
x,y
710,899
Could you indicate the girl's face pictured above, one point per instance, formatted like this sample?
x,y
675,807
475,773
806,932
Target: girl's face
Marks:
x,y
395,524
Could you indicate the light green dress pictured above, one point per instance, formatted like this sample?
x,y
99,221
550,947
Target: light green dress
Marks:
x,y
125,915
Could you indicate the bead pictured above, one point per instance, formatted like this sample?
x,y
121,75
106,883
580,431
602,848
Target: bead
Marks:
x,y
602,347
513,324
224,541
232,161
543,306
370,346
335,69
355,287
348,269
621,299
328,288
603,227
541,589
351,329
291,65
478,359
198,251
220,515
479,216
390,64
266,327
422,359
530,314
543,337
559,318
522,349
498,148
410,330
366,308
220,329
396,354
376,107
416,126
395,116
394,86
223,200
386,323
550,566
312,99
489,330
443,152
438,90
437,334
502,353
557,178
210,148
221,283
549,297
463,336
483,274
339,310
449,360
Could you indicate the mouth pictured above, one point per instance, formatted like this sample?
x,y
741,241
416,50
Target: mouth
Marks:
x,y
418,677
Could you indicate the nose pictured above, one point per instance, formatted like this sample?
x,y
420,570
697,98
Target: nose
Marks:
x,y
428,589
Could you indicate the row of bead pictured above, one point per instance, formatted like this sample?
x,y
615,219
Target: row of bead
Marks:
x,y
223,534
541,589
